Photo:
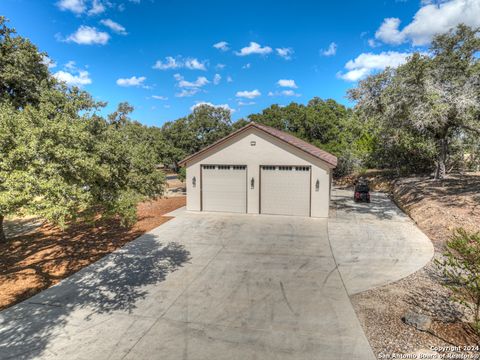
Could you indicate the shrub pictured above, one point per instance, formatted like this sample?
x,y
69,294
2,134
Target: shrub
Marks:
x,y
461,268
347,164
182,174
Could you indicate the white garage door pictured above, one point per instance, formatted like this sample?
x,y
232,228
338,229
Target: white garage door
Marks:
x,y
224,188
285,190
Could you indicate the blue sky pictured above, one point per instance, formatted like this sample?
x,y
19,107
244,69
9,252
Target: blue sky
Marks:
x,y
164,57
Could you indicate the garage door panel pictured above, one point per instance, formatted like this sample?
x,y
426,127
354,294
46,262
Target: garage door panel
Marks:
x,y
285,190
224,188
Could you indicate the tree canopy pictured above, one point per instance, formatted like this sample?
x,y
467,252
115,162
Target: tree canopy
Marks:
x,y
434,97
205,125
23,71
59,158
324,123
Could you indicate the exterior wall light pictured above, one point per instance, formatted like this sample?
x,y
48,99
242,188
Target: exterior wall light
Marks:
x,y
253,143
252,183
194,181
317,185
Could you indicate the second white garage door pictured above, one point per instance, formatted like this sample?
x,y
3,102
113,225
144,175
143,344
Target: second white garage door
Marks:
x,y
285,190
224,188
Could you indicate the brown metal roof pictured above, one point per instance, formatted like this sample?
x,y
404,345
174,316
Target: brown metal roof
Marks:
x,y
281,135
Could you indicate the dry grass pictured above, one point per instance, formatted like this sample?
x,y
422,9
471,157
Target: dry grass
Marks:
x,y
438,207
38,259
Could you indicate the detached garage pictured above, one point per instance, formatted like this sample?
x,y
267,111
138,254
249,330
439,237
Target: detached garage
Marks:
x,y
260,170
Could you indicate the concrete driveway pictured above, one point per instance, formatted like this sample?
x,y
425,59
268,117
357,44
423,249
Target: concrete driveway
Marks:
x,y
217,286
374,244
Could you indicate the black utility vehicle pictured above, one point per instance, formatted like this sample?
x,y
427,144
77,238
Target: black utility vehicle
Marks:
x,y
362,191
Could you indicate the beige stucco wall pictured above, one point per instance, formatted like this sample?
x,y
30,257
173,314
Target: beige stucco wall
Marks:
x,y
267,151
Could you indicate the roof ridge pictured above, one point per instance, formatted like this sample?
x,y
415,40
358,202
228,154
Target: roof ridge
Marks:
x,y
281,135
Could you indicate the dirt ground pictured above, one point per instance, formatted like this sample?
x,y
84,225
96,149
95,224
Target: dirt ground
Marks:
x,y
438,207
43,255
175,187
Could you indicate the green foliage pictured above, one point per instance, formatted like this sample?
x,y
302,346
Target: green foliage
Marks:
x,y
205,125
432,100
239,124
403,151
59,158
22,69
326,124
182,174
60,164
46,161
128,155
461,268
125,206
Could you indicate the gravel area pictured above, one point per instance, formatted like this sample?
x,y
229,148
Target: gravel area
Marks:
x,y
381,311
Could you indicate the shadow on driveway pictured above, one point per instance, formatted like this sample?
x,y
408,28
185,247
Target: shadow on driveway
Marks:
x,y
381,206
114,283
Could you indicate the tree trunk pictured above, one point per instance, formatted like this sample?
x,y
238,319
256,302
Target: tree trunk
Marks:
x,y
3,238
440,171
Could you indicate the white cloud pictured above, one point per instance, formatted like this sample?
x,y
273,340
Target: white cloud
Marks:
x,y
49,62
189,88
229,79
216,79
223,106
248,94
254,48
291,93
285,53
222,45
332,50
287,83
77,78
159,97
247,66
430,19
75,6
133,81
97,8
80,6
220,66
201,81
354,75
87,35
169,63
372,43
114,26
70,65
178,62
367,63
187,92
389,33
194,64
245,103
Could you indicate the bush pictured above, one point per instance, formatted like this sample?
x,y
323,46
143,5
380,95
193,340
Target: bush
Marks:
x,y
347,164
461,268
182,174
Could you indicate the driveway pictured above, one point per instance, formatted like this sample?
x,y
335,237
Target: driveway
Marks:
x,y
374,244
220,286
